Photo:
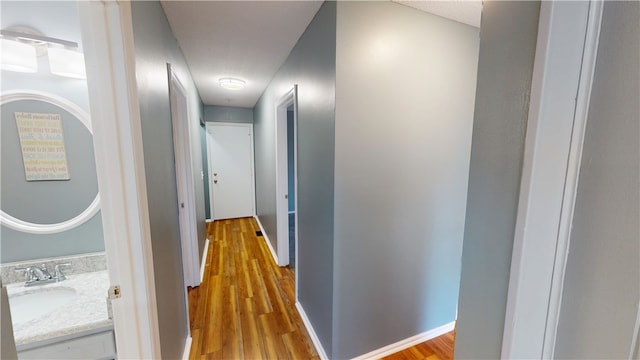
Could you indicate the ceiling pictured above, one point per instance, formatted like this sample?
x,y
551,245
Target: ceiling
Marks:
x,y
250,40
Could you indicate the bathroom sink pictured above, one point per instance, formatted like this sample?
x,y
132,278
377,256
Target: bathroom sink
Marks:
x,y
33,304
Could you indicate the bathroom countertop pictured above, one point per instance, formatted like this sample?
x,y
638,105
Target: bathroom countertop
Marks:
x,y
87,311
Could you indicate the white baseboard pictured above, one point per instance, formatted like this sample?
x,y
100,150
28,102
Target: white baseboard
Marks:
x,y
312,332
209,220
266,238
408,342
203,263
187,348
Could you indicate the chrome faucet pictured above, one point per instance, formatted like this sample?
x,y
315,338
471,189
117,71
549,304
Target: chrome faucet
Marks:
x,y
40,275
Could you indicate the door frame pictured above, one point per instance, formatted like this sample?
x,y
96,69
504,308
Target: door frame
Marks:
x,y
210,126
107,37
282,178
207,137
553,149
184,181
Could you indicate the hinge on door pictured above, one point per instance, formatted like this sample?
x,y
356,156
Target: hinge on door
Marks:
x,y
114,292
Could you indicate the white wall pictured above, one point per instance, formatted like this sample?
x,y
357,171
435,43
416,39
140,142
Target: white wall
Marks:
x,y
405,90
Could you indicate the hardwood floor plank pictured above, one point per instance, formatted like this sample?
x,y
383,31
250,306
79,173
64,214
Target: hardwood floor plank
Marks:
x,y
196,338
212,356
262,296
274,345
232,336
253,347
211,336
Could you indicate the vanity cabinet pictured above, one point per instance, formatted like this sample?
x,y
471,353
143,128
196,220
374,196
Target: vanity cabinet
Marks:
x,y
98,345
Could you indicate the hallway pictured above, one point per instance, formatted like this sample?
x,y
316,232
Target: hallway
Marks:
x,y
245,306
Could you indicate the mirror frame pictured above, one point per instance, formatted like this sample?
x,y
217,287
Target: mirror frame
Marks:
x,y
93,208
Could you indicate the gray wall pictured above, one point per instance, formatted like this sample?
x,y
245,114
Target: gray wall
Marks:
x,y
47,202
155,46
602,283
311,65
405,89
228,114
507,46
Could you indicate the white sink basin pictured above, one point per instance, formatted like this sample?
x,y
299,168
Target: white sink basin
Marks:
x,y
35,303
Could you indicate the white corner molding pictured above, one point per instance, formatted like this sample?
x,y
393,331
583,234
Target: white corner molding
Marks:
x,y
583,98
93,208
203,263
408,342
187,348
563,71
312,333
266,239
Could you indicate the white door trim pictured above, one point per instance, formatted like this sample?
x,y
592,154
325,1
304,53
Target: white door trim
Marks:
x,y
211,126
184,180
207,137
107,37
282,179
562,76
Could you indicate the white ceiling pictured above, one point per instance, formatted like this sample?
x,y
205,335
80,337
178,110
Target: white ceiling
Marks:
x,y
245,39
464,11
250,40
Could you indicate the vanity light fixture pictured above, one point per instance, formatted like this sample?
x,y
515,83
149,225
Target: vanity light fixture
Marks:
x,y
68,63
22,45
232,83
18,56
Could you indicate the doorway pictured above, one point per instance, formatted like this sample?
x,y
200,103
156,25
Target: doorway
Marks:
x,y
231,174
291,184
286,179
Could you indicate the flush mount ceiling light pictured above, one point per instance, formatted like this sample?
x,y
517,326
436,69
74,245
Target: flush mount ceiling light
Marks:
x,y
22,45
232,83
18,56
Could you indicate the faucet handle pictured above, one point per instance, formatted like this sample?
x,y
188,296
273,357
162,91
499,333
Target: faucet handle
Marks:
x,y
29,274
57,272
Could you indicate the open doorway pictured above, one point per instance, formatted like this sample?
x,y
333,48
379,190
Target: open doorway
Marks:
x,y
286,178
54,248
291,185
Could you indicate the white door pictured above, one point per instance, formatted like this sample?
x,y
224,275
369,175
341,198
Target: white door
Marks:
x,y
185,187
230,148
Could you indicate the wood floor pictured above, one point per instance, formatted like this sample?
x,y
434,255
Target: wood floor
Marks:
x,y
245,306
440,348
